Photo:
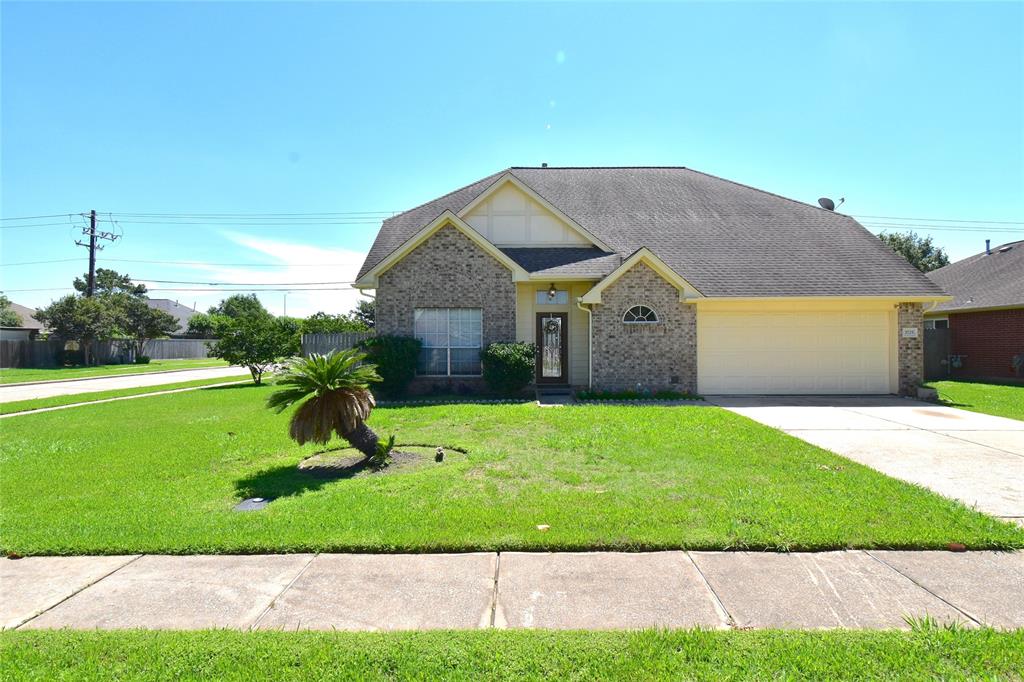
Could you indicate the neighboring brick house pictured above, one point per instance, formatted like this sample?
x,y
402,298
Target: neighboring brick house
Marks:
x,y
985,319
649,279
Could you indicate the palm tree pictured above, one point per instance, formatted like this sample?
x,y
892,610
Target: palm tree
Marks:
x,y
336,391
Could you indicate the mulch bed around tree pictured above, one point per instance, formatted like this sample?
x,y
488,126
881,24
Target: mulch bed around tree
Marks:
x,y
349,462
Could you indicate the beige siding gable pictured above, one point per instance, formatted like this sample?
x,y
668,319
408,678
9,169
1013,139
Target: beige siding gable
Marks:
x,y
509,217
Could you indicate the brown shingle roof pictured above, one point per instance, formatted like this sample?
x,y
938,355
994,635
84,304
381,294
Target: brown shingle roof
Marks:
x,y
984,280
725,238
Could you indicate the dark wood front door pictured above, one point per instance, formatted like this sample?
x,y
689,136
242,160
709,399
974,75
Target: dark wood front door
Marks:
x,y
552,348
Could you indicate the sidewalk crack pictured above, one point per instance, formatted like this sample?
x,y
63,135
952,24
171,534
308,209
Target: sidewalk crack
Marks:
x,y
281,593
494,593
945,601
78,591
730,622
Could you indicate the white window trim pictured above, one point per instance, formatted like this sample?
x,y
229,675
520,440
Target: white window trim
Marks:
x,y
933,320
656,320
448,348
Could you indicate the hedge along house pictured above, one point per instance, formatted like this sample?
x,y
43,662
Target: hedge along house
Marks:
x,y
649,279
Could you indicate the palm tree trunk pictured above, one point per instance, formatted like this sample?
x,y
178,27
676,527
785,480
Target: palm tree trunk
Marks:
x,y
363,439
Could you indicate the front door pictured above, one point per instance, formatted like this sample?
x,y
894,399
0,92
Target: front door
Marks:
x,y
552,348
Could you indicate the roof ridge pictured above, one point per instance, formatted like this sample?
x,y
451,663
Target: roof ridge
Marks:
x,y
772,194
590,167
448,194
692,170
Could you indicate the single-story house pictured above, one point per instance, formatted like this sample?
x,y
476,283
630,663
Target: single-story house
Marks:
x,y
985,317
182,313
29,328
650,279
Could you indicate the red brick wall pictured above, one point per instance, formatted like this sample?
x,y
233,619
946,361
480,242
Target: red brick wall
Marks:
x,y
989,339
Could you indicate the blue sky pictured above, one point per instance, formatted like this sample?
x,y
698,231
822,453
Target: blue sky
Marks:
x,y
906,109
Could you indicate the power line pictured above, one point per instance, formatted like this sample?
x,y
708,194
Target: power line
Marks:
x,y
35,217
942,220
235,284
257,216
212,291
38,262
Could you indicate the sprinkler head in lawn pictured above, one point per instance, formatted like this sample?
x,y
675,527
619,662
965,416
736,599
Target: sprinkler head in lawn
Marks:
x,y
252,504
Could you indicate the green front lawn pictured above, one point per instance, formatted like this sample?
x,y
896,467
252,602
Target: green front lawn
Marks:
x,y
161,475
1002,400
77,398
20,375
927,653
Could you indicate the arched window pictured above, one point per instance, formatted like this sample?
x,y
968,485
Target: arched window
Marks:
x,y
640,314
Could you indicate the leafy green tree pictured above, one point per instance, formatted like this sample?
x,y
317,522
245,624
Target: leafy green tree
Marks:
x,y
322,323
81,319
333,393
109,282
8,318
365,312
255,342
206,326
918,250
141,323
240,305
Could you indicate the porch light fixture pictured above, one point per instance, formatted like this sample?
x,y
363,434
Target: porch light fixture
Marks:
x,y
552,292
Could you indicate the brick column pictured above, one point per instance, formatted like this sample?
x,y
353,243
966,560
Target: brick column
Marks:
x,y
910,351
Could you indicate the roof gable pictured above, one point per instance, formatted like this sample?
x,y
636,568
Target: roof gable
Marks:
x,y
511,214
369,279
644,255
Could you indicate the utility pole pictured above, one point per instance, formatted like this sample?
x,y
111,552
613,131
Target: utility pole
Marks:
x,y
90,287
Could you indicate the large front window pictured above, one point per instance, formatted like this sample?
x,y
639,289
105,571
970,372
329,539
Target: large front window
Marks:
x,y
451,341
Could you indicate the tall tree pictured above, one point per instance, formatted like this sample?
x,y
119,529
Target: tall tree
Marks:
x,y
255,342
918,250
206,326
8,318
85,320
110,282
141,323
365,311
322,323
240,305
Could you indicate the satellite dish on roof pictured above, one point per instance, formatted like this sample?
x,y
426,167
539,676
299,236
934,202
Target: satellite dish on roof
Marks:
x,y
830,205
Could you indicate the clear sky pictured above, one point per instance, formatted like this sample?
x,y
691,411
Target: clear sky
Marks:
x,y
906,109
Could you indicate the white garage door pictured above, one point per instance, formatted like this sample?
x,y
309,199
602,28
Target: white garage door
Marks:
x,y
793,352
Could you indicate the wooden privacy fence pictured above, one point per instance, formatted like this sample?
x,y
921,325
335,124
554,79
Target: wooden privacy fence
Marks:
x,y
41,353
178,349
325,343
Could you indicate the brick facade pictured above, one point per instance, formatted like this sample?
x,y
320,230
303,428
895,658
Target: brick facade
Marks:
x,y
910,351
651,357
447,271
988,340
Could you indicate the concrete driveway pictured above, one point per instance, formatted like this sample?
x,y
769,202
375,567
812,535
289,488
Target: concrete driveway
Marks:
x,y
975,458
12,392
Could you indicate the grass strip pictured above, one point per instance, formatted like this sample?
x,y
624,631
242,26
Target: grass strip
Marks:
x,y
162,474
930,653
77,398
20,375
1001,400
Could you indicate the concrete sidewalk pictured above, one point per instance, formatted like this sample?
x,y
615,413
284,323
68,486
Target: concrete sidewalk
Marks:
x,y
852,589
14,392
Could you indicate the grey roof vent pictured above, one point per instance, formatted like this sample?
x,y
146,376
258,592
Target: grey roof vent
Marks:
x,y
1006,248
